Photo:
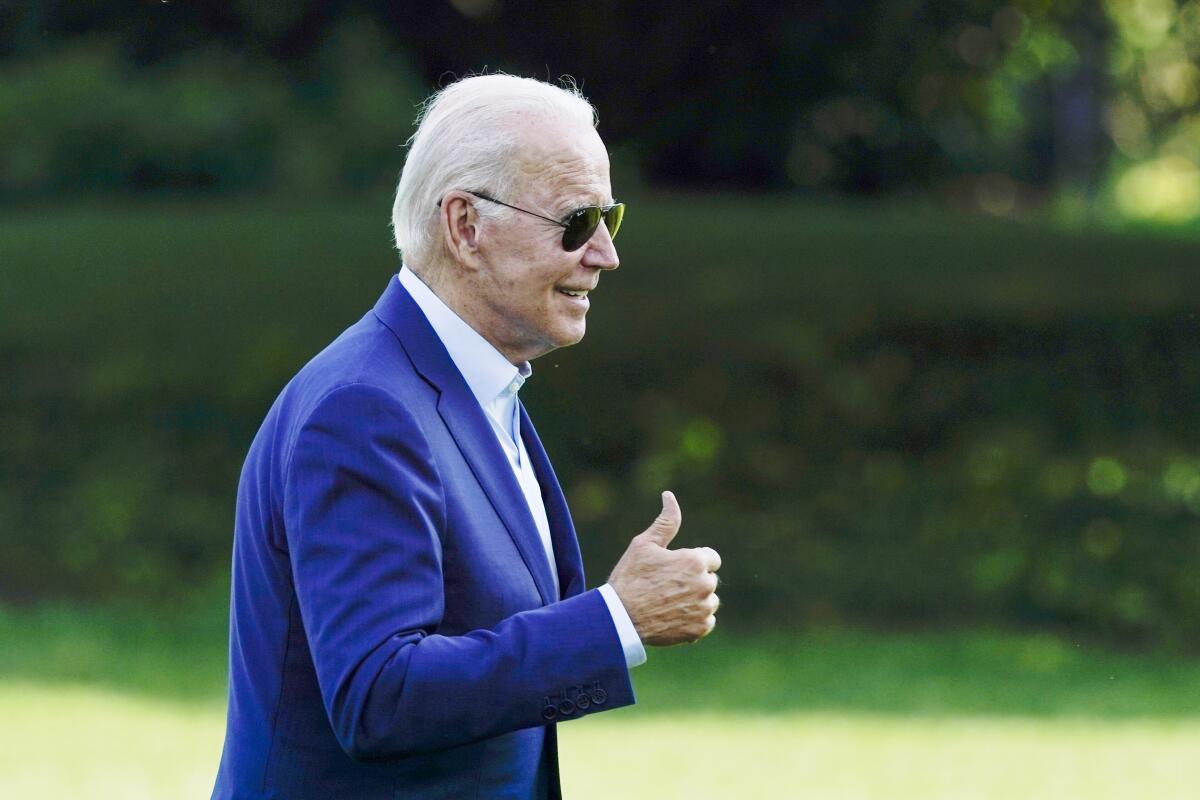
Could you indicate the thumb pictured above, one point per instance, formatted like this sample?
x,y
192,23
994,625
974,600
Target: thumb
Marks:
x,y
667,523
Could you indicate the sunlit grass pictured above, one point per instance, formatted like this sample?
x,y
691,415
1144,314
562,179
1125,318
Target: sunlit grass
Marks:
x,y
849,757
101,704
72,741
77,741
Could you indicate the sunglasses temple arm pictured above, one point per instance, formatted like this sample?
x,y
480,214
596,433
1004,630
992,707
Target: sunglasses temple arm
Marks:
x,y
522,210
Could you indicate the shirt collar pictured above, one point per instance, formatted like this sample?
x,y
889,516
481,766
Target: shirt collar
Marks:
x,y
488,373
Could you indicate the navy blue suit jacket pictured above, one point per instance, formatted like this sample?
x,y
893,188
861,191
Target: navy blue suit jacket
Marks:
x,y
393,625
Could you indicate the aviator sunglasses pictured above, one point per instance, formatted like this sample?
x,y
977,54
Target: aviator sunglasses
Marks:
x,y
578,226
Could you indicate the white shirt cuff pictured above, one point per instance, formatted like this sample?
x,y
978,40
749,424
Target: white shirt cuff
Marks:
x,y
631,643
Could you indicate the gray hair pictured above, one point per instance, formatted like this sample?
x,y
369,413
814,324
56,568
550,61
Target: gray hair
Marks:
x,y
467,138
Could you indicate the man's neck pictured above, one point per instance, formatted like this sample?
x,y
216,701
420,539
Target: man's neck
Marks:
x,y
458,299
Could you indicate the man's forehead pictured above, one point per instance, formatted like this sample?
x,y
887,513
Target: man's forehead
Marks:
x,y
564,160
548,130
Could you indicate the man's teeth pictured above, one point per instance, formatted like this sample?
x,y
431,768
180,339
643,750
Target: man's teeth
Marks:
x,y
574,293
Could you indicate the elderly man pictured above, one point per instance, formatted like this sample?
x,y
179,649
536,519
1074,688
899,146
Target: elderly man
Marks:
x,y
409,615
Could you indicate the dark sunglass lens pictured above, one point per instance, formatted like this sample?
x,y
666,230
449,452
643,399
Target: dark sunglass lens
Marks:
x,y
613,217
580,227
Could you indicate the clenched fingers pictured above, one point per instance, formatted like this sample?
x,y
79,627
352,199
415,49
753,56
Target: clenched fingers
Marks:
x,y
707,558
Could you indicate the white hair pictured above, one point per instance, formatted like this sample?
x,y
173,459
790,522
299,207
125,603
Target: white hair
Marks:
x,y
467,138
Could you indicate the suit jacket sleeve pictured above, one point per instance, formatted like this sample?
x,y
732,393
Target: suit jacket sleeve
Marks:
x,y
363,507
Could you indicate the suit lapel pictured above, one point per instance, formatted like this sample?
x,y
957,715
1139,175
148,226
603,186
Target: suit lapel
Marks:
x,y
467,424
562,529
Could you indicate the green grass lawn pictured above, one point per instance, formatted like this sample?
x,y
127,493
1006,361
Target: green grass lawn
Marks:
x,y
120,705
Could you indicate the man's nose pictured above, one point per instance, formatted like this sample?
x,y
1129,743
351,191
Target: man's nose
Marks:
x,y
601,252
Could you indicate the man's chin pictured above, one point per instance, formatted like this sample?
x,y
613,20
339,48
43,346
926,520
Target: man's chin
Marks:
x,y
570,334
577,334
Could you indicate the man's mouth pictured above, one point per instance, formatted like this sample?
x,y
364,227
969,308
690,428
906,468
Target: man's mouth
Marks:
x,y
574,292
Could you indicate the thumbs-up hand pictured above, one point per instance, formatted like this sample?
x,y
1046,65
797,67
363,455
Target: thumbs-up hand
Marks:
x,y
668,594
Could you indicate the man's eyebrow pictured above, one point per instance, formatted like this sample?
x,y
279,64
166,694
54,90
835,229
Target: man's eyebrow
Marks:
x,y
582,200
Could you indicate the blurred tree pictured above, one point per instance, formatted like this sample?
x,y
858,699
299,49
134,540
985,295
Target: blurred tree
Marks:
x,y
1154,118
998,101
861,96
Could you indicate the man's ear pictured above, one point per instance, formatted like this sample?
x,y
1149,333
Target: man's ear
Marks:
x,y
460,228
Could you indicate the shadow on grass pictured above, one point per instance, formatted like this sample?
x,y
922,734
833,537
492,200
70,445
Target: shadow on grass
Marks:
x,y
182,657
935,674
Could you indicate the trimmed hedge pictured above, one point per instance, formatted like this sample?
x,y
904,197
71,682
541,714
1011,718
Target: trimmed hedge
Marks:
x,y
876,415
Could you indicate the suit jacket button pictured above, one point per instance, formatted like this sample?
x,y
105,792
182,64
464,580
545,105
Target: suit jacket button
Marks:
x,y
565,707
582,702
598,695
549,712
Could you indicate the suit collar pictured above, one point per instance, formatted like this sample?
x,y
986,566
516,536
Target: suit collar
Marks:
x,y
473,434
399,312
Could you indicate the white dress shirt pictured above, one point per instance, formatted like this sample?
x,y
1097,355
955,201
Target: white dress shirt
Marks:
x,y
495,382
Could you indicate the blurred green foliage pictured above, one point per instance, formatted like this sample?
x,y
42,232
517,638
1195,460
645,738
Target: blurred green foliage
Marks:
x,y
876,414
999,105
1154,116
82,118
